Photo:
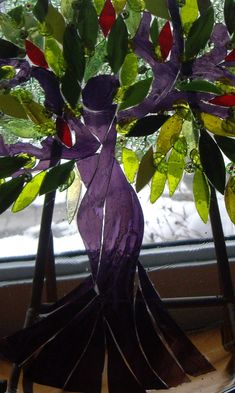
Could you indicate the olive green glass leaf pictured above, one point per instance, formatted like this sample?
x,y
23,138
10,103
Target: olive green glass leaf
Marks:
x,y
55,23
201,193
9,165
55,177
70,88
73,196
117,44
136,5
189,13
129,70
212,161
229,197
217,126
157,185
132,21
227,145
154,31
9,192
229,12
67,9
119,5
199,85
87,23
17,15
9,29
11,106
54,56
199,33
99,5
74,52
169,133
29,193
158,8
176,164
136,93
146,170
40,10
130,163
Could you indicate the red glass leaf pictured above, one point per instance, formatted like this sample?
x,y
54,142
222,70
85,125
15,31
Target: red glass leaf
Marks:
x,y
63,132
225,100
231,56
165,40
107,17
35,54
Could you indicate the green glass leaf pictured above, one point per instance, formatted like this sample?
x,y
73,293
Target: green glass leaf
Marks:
x,y
70,88
40,10
99,5
227,145
55,177
119,5
129,70
136,5
20,127
199,85
201,192
54,56
74,52
146,170
147,125
11,106
87,23
35,111
67,9
9,29
199,34
229,12
189,13
10,50
203,5
130,163
136,93
229,197
7,72
154,31
157,185
9,192
169,132
95,62
176,164
9,165
158,8
73,196
117,44
212,161
17,14
133,20
68,182
29,192
55,23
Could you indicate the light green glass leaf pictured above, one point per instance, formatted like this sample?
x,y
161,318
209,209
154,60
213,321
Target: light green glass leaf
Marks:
x,y
176,163
229,197
201,192
35,112
158,8
73,196
54,56
133,20
169,133
130,163
9,29
129,70
20,127
99,5
190,135
119,5
11,106
136,5
55,23
218,126
29,193
157,185
146,170
67,9
95,62
189,13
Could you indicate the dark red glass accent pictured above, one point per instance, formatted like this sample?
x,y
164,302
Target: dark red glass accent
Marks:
x,y
231,56
63,132
165,40
107,17
225,100
35,54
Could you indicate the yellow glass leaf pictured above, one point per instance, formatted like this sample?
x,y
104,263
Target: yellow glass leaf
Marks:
x,y
229,197
218,126
130,163
201,192
169,133
176,164
54,56
157,185
189,13
129,70
119,5
29,192
73,196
